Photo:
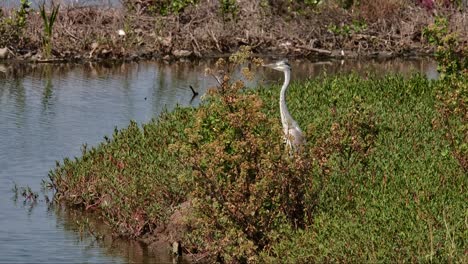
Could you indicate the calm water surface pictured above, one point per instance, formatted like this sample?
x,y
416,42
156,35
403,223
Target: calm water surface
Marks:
x,y
48,111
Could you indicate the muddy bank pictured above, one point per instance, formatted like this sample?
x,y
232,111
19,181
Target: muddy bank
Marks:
x,y
327,30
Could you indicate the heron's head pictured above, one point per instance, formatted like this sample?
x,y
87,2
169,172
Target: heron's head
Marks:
x,y
281,65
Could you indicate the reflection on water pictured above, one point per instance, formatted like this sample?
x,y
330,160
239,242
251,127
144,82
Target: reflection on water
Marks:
x,y
48,111
93,233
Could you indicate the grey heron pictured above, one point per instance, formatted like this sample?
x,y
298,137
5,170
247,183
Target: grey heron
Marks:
x,y
292,132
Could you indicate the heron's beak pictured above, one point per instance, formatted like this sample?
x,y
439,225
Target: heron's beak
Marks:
x,y
270,65
273,66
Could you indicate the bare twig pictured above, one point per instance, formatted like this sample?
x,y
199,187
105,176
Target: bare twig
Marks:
x,y
215,40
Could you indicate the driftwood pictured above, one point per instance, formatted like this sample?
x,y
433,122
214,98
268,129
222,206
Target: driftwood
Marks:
x,y
316,50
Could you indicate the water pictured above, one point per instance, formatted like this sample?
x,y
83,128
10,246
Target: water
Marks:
x,y
48,111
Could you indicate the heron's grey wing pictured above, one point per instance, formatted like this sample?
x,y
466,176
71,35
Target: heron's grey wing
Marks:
x,y
294,137
297,136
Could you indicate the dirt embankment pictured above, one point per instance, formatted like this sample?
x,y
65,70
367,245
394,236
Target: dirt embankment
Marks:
x,y
90,33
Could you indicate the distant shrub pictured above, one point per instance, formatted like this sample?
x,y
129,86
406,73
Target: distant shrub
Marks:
x,y
451,61
162,7
348,30
11,28
228,8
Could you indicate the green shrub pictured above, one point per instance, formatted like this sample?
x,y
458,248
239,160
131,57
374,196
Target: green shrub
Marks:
x,y
11,28
346,30
247,188
450,60
21,14
228,8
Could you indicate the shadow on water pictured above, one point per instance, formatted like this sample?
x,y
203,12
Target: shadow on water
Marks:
x,y
48,111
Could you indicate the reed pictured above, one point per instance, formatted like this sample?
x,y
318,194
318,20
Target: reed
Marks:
x,y
48,21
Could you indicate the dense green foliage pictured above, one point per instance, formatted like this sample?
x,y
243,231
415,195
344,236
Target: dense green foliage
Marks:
x,y
379,179
132,178
452,65
450,60
453,110
404,199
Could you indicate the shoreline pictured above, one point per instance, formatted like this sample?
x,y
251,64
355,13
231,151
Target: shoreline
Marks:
x,y
167,58
83,34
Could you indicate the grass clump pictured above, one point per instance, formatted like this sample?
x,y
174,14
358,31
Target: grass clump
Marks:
x,y
48,21
379,179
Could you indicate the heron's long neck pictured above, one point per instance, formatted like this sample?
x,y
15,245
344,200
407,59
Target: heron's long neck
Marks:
x,y
285,116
